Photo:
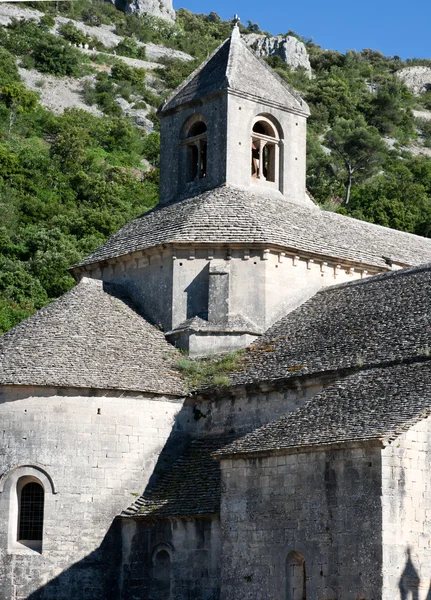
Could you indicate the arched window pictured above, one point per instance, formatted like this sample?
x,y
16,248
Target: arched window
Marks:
x,y
265,143
161,578
295,576
196,147
28,490
31,498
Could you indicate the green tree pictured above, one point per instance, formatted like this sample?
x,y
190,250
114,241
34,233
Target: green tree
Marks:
x,y
358,147
53,55
18,100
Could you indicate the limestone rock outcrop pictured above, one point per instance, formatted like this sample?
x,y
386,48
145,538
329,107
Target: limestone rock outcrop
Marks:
x,y
417,79
287,47
157,8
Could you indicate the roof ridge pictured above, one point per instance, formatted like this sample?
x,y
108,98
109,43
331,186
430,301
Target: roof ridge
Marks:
x,y
276,76
190,78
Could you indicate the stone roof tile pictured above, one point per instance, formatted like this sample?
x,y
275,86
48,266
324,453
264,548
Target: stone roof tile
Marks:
x,y
191,486
373,404
91,337
381,319
229,215
233,66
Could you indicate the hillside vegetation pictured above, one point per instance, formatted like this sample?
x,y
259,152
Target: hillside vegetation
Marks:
x,y
68,181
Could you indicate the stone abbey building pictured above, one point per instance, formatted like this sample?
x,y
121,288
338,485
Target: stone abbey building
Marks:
x,y
309,476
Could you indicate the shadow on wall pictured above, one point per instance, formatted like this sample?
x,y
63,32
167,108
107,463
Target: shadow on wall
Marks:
x,y
197,295
93,578
409,583
99,575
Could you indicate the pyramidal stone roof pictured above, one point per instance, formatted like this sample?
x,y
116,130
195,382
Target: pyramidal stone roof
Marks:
x,y
233,66
373,404
380,320
229,215
91,337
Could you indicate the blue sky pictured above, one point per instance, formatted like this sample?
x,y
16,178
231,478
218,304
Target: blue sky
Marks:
x,y
393,27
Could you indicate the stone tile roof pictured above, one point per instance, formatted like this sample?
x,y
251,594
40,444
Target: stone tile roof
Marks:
x,y
228,215
380,319
374,404
235,67
90,337
191,486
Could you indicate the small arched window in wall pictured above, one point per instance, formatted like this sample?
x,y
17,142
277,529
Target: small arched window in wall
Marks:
x,y
295,576
31,497
161,573
265,151
196,147
28,491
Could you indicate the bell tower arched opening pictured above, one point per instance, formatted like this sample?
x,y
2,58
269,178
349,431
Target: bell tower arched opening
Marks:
x,y
194,143
265,152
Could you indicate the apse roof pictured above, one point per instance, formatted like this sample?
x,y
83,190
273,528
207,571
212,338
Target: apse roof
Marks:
x,y
91,337
229,215
233,66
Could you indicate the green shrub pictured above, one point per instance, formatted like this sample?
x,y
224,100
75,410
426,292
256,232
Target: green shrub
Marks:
x,y
8,68
56,57
210,371
72,34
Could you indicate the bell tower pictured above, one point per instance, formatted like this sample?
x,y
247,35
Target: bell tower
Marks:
x,y
233,122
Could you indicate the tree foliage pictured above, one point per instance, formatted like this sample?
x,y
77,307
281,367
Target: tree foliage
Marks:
x,y
68,182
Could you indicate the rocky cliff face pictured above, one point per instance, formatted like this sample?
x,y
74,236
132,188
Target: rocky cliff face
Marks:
x,y
288,48
158,8
418,79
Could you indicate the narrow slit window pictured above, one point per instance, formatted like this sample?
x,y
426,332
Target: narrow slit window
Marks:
x,y
31,504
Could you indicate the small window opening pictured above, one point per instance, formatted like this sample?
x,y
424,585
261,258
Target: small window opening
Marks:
x,y
30,512
264,152
295,577
162,574
196,143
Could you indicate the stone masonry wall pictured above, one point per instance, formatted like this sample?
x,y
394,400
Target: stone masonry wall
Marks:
x,y
407,515
98,451
324,505
241,113
172,285
194,550
245,411
173,129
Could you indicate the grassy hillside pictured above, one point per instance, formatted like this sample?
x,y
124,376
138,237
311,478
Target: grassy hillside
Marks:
x,y
68,181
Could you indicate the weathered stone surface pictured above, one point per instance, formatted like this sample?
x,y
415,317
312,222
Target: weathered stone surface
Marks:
x,y
288,48
381,319
90,337
233,66
374,404
193,546
162,9
326,506
138,115
418,79
228,215
98,450
59,93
